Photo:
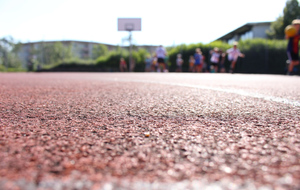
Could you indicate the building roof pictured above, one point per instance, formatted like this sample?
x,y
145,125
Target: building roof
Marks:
x,y
65,41
243,29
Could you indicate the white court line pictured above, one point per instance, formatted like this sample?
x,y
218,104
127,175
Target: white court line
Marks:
x,y
233,91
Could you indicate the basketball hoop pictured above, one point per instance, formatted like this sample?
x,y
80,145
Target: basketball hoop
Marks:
x,y
129,25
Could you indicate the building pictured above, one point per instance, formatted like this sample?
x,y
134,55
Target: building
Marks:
x,y
80,49
247,31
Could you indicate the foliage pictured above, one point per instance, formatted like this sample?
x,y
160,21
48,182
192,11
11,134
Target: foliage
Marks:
x,y
189,50
111,61
8,54
140,57
262,56
99,50
51,53
290,12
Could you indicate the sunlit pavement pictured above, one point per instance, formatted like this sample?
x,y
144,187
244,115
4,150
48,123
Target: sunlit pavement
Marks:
x,y
149,131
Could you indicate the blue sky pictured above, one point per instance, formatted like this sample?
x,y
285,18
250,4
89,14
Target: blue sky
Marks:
x,y
163,22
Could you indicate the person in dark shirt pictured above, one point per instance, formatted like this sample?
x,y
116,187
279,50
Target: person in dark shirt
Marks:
x,y
293,47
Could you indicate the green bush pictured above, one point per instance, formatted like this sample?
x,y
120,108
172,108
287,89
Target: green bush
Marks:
x,y
11,69
261,55
111,61
187,50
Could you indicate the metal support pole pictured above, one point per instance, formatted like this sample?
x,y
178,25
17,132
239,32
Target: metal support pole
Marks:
x,y
5,60
130,52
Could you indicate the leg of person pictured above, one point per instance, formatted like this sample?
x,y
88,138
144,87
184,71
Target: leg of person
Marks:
x,y
294,60
292,64
162,67
232,66
216,69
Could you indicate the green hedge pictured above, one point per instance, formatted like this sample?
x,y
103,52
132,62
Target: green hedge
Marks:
x,y
187,50
261,56
112,60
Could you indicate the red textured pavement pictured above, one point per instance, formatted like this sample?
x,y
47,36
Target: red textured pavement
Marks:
x,y
149,131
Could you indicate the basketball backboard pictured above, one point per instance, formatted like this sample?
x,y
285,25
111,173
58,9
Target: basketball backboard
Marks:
x,y
129,24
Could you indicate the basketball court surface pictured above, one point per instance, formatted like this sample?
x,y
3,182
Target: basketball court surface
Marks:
x,y
149,131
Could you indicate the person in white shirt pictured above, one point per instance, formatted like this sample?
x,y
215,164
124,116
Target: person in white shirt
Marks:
x,y
161,55
233,54
215,59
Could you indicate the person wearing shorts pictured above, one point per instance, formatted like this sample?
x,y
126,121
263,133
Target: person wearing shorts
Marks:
x,y
293,48
191,63
233,54
198,60
214,59
161,54
123,65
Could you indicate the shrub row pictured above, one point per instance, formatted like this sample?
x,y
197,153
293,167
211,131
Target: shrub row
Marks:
x,y
261,56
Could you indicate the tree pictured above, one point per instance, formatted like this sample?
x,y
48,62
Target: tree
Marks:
x,y
8,53
52,53
291,11
99,50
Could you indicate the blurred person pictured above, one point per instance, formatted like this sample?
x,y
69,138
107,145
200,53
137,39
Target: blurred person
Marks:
x,y
161,55
214,59
293,47
148,63
191,63
179,62
123,65
204,65
132,65
222,62
233,54
198,60
166,64
154,63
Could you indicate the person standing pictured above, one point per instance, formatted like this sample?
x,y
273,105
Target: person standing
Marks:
x,y
154,63
161,54
214,59
148,63
293,47
233,54
179,62
123,65
191,63
222,61
198,60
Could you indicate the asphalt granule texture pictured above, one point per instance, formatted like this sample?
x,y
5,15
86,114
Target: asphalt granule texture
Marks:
x,y
116,131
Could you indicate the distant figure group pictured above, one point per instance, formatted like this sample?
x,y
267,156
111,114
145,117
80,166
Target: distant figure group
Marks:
x,y
197,61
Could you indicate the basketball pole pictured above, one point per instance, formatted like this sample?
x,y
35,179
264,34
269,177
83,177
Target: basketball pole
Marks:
x,y
129,25
130,51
